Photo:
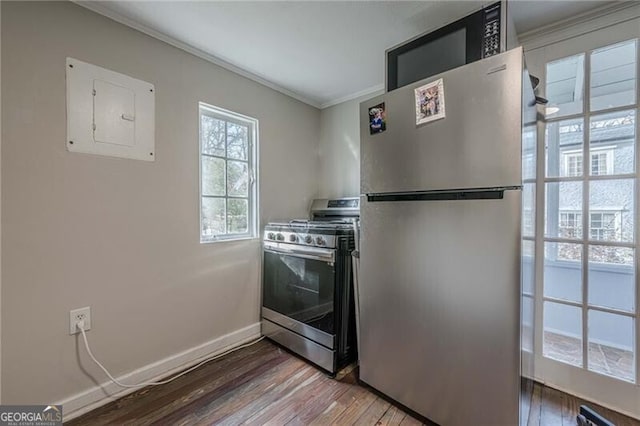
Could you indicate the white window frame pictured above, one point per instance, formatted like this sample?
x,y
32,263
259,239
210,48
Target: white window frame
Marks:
x,y
575,217
577,220
613,392
608,152
576,155
567,156
252,160
617,224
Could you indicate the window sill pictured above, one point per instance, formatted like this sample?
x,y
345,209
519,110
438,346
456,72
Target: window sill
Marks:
x,y
229,240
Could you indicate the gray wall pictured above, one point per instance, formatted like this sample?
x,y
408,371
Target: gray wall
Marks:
x,y
340,149
120,235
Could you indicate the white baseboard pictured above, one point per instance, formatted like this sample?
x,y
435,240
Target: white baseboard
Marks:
x,y
83,402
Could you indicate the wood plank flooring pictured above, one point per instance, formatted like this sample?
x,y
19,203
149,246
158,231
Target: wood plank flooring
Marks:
x,y
264,384
551,407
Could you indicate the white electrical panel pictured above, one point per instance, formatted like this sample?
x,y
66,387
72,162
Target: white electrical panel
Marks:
x,y
109,113
114,114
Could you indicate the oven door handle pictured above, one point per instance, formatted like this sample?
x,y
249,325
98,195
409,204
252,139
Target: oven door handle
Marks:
x,y
328,256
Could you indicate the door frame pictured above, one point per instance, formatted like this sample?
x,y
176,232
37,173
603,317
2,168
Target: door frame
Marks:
x,y
607,391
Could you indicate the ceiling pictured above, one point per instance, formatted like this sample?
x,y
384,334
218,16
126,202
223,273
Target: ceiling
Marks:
x,y
321,52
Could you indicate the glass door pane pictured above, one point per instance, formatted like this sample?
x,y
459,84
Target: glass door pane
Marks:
x,y
613,76
563,143
612,278
612,140
611,210
563,204
563,271
562,338
565,86
611,345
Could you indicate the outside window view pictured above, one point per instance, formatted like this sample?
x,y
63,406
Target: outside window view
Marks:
x,y
225,173
590,211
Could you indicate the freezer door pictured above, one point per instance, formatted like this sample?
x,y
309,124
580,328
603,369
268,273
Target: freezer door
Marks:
x,y
439,307
477,144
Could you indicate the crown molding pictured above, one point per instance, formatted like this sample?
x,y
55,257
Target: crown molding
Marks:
x,y
101,10
376,90
583,23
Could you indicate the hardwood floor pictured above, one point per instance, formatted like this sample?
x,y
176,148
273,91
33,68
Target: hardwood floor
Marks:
x,y
264,384
550,407
256,385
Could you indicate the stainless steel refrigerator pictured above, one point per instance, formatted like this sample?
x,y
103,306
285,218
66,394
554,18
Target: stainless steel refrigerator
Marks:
x,y
439,288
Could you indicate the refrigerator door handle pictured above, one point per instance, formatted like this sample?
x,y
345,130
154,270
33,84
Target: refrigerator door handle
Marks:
x,y
445,195
327,256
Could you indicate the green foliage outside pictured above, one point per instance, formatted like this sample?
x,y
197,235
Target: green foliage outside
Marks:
x,y
225,173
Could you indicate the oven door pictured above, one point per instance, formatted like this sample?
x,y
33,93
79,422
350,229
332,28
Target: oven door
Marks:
x,y
299,289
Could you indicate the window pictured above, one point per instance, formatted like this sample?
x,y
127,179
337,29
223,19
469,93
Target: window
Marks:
x,y
603,226
570,225
601,163
228,187
573,163
589,278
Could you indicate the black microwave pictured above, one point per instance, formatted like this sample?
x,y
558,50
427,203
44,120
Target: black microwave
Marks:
x,y
476,36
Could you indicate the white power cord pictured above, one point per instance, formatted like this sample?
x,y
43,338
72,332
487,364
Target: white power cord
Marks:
x,y
80,325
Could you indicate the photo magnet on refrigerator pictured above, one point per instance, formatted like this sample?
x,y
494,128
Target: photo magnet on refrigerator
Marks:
x,y
377,119
429,102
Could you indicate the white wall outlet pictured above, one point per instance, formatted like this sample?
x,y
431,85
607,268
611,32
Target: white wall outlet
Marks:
x,y
77,315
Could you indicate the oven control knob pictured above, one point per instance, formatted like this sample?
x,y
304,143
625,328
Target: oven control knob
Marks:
x,y
293,238
320,241
280,237
271,236
308,239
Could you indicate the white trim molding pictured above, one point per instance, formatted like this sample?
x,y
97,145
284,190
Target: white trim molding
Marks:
x,y
100,9
592,20
372,91
83,402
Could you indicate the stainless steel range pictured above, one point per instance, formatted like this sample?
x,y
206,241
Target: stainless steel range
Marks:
x,y
307,303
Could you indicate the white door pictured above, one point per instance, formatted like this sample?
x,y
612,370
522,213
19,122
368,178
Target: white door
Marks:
x,y
587,299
